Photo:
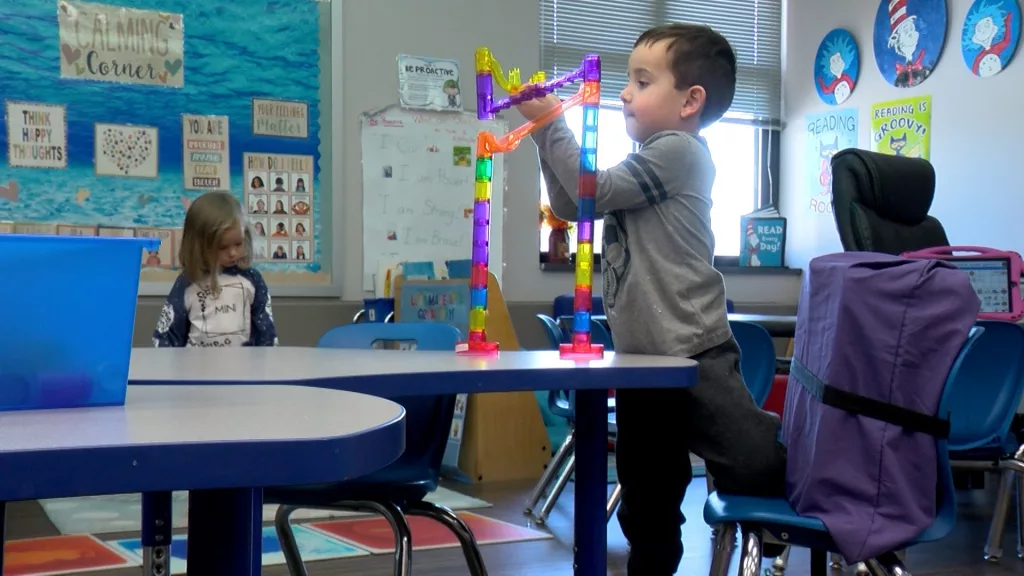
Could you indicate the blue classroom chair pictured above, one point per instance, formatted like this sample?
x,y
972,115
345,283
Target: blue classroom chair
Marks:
x,y
401,487
757,358
775,518
560,404
994,368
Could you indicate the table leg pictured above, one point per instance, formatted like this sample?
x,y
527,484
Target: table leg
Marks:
x,y
590,555
3,532
225,532
156,533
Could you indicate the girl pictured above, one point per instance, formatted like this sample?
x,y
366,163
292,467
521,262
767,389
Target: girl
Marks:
x,y
217,300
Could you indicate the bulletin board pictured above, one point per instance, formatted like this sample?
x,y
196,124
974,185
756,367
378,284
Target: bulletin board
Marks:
x,y
418,186
117,115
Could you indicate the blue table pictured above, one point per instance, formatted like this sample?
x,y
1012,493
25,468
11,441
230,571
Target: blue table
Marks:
x,y
222,443
778,326
407,374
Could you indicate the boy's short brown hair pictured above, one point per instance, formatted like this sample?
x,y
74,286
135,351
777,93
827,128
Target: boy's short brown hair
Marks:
x,y
699,56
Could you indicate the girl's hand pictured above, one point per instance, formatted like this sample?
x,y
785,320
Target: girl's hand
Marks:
x,y
533,109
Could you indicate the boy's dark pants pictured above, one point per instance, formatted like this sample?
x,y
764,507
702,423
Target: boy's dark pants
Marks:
x,y
717,420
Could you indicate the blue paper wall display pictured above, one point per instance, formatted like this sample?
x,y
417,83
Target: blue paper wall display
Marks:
x,y
836,67
908,40
990,36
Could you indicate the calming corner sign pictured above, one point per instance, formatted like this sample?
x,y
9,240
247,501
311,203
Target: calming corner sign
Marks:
x,y
114,44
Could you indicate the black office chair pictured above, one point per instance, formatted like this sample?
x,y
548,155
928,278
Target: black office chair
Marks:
x,y
881,202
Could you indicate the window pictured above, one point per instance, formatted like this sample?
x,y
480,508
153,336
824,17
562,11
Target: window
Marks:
x,y
733,147
744,144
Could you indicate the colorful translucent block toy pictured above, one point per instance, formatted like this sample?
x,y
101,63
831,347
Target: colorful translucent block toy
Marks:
x,y
488,73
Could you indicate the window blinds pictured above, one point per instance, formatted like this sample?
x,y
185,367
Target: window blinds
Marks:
x,y
569,29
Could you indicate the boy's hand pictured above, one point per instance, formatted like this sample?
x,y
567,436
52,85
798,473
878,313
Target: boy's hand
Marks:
x,y
532,109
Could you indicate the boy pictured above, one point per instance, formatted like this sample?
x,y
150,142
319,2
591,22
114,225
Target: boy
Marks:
x,y
661,293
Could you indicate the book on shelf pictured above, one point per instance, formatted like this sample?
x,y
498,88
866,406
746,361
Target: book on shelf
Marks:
x,y
763,239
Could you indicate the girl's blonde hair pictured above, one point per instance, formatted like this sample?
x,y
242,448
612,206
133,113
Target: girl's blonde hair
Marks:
x,y
207,219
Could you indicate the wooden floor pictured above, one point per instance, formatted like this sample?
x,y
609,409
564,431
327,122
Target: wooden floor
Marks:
x,y
958,554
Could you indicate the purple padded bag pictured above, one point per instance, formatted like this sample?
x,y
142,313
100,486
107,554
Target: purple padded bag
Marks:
x,y
888,329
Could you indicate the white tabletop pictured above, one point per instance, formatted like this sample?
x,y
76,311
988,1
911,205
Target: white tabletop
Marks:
x,y
295,365
210,414
198,437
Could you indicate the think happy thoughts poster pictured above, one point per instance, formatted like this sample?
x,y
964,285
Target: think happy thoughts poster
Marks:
x,y
827,133
902,127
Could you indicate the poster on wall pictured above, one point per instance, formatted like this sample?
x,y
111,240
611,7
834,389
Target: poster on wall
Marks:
x,y
827,133
281,118
990,36
908,39
205,155
132,159
278,198
107,43
902,127
128,151
429,83
37,135
836,67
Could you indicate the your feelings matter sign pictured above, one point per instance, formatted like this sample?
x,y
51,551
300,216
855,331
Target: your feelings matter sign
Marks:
x,y
116,44
205,153
37,135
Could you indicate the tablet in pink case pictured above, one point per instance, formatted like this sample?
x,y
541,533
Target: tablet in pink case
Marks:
x,y
995,276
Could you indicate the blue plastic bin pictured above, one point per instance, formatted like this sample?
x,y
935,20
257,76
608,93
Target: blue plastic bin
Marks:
x,y
67,313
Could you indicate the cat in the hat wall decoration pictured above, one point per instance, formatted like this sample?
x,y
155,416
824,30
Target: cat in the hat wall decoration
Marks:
x,y
908,40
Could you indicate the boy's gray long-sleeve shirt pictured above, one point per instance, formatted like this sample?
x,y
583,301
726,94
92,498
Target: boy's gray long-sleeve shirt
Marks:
x,y
661,293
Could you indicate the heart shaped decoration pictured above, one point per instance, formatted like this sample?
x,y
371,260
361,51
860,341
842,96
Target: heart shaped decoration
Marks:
x,y
173,67
127,148
70,54
9,192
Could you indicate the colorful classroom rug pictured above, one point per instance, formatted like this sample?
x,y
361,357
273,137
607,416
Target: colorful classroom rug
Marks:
x,y
61,555
313,546
375,535
122,512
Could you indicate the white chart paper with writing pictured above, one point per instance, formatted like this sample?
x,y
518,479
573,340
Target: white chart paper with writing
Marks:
x,y
418,184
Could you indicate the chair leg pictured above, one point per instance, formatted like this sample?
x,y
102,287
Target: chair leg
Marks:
x,y
470,549
721,554
751,552
556,491
1020,515
613,501
819,562
289,547
709,483
781,562
391,513
994,544
557,461
887,565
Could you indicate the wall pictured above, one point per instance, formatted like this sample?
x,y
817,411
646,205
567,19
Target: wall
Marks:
x,y
374,33
974,125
